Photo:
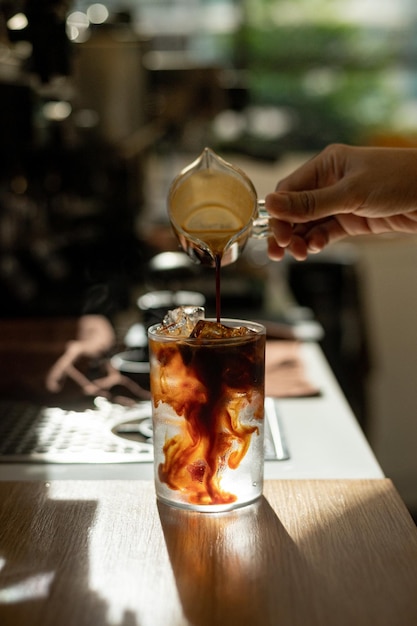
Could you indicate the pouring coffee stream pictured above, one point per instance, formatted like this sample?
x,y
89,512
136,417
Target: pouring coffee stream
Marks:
x,y
214,209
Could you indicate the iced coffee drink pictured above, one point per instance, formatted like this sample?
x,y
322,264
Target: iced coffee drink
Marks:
x,y
207,387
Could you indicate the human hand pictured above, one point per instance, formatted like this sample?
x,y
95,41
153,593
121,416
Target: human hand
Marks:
x,y
343,191
95,337
94,340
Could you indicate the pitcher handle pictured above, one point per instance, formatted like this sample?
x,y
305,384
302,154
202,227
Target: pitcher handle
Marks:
x,y
260,224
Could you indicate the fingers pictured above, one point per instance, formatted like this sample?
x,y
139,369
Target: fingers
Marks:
x,y
308,207
313,204
285,238
282,231
57,374
305,239
275,251
297,248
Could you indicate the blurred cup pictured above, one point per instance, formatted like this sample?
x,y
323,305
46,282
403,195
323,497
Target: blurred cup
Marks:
x,y
208,416
131,363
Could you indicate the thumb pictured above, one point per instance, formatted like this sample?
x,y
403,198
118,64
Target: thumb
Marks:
x,y
309,205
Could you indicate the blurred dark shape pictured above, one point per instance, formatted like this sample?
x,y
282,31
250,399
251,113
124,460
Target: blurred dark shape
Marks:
x,y
330,288
16,128
68,196
46,31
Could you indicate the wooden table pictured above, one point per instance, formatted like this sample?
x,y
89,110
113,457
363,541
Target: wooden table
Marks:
x,y
104,553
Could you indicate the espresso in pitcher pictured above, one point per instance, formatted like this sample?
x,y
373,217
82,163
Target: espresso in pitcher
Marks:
x,y
212,205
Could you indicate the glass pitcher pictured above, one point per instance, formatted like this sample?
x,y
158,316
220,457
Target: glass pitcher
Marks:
x,y
213,208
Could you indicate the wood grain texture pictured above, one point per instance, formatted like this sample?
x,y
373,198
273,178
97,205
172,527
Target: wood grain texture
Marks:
x,y
105,553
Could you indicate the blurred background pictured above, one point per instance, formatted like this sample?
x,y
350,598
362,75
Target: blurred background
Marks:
x,y
102,104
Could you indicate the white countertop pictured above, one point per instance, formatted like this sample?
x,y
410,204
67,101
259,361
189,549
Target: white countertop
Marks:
x,y
322,435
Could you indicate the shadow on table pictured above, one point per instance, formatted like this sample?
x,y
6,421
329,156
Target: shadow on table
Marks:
x,y
337,552
224,564
44,562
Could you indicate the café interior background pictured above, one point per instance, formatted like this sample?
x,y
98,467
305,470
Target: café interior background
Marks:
x,y
102,104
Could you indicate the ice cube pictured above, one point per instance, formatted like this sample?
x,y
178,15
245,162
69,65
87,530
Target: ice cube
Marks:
x,y
181,321
214,330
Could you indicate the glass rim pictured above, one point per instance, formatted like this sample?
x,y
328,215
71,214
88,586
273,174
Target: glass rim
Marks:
x,y
258,328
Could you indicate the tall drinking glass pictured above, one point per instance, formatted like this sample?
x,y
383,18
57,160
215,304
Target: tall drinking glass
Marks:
x,y
208,415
